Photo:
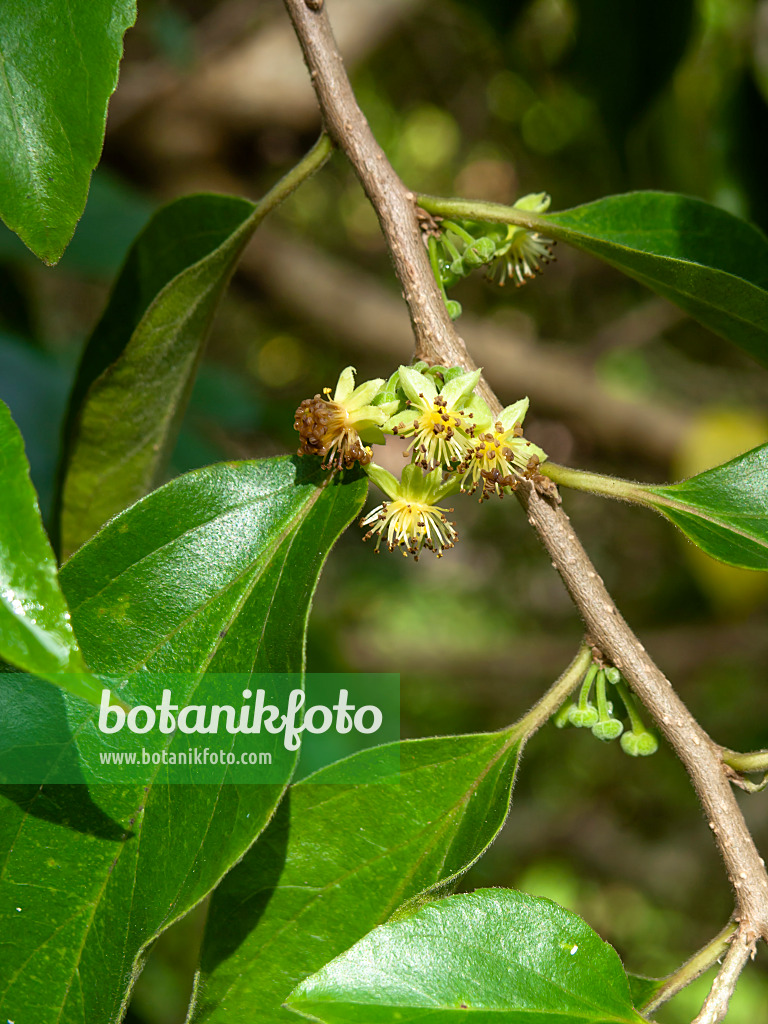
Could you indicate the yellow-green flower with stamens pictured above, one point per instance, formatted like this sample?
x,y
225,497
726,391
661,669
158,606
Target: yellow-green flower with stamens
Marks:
x,y
411,519
337,428
520,255
500,455
440,423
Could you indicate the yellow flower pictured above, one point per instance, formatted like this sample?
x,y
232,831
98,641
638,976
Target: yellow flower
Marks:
x,y
411,520
499,456
441,424
337,427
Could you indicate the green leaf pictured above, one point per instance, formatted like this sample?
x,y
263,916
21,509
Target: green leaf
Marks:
x,y
724,510
139,365
710,263
212,573
340,857
59,63
35,630
472,957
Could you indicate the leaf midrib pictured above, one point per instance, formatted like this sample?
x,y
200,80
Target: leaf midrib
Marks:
x,y
186,533
660,499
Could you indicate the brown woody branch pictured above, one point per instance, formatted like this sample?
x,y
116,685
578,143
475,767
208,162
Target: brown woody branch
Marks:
x,y
437,340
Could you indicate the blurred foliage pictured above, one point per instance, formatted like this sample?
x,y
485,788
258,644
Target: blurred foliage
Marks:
x,y
486,99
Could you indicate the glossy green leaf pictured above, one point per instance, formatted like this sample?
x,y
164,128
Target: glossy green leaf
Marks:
x,y
212,573
59,64
708,262
338,860
724,510
139,365
474,957
35,630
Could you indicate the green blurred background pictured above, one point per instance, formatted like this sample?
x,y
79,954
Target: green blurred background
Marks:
x,y
486,99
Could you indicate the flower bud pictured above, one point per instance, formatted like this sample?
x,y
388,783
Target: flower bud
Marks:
x,y
479,253
639,744
583,717
608,729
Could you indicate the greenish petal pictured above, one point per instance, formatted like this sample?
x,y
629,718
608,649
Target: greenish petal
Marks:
x,y
399,422
513,414
482,417
364,394
535,202
414,486
457,391
420,389
383,479
345,385
367,416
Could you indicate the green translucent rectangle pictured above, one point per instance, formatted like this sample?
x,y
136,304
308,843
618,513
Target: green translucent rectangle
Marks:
x,y
213,730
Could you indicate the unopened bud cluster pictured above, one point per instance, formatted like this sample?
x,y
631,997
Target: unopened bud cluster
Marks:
x,y
455,444
599,716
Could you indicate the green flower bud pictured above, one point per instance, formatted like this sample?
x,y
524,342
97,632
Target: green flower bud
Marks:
x,y
480,252
608,729
612,675
458,269
563,716
454,309
584,717
451,373
639,744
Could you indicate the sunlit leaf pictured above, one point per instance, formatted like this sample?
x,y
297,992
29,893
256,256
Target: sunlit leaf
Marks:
x,y
213,573
724,510
35,629
59,64
481,956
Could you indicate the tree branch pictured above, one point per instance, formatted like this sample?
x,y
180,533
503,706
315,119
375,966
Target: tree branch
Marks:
x,y
716,1004
436,339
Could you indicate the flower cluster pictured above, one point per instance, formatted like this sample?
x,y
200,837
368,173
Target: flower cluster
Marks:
x,y
508,252
455,445
600,717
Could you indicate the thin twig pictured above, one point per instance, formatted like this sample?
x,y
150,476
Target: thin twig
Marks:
x,y
558,692
754,761
436,340
716,1004
691,969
